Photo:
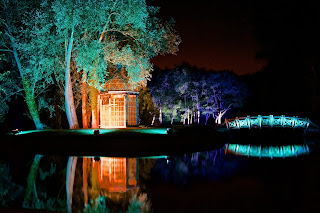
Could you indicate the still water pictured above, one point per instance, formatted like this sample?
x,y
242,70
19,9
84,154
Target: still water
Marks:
x,y
194,182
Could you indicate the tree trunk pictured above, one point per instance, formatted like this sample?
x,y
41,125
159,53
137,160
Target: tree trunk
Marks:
x,y
160,115
185,110
31,182
71,169
198,113
85,180
94,180
94,123
29,96
188,116
171,106
85,123
94,105
207,117
68,94
153,119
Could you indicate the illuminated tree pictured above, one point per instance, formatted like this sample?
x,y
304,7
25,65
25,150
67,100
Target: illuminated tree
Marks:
x,y
13,39
9,86
98,33
212,93
225,91
163,91
156,91
182,87
198,91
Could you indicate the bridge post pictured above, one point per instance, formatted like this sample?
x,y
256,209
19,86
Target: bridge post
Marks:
x,y
237,122
282,152
271,120
249,121
259,120
260,152
282,120
307,122
295,119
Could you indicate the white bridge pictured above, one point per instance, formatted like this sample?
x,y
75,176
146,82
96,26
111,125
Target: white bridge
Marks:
x,y
267,121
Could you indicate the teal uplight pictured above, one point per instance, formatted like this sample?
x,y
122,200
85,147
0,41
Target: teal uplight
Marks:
x,y
267,151
90,131
30,132
155,157
67,131
156,131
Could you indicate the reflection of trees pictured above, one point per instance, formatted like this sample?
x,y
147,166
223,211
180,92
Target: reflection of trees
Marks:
x,y
9,191
40,192
145,167
210,165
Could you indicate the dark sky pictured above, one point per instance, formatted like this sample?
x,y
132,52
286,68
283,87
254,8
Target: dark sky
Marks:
x,y
215,35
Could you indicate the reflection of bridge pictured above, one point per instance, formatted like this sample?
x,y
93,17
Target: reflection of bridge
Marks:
x,y
267,151
267,121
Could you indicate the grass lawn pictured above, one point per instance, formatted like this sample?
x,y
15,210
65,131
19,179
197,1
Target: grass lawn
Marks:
x,y
129,142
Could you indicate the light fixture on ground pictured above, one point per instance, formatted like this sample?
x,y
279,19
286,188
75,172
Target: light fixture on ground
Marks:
x,y
96,131
15,131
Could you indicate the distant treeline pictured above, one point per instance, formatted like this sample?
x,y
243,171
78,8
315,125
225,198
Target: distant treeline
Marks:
x,y
187,96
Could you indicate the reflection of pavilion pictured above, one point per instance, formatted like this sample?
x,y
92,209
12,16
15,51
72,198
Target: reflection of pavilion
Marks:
x,y
110,177
118,174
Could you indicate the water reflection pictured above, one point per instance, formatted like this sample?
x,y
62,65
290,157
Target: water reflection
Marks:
x,y
267,151
148,184
210,165
112,183
121,180
112,177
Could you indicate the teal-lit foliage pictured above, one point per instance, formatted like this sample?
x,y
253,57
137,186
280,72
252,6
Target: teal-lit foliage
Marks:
x,y
125,33
9,191
139,204
42,198
33,70
268,151
99,206
9,86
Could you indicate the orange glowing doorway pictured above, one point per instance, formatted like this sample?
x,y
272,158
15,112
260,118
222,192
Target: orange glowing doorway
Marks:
x,y
113,111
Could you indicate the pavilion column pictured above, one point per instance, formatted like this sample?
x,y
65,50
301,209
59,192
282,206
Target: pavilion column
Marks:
x,y
137,111
127,109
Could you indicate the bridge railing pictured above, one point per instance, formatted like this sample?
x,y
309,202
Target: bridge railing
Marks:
x,y
267,121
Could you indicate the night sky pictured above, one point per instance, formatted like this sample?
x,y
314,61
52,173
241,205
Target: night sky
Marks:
x,y
243,36
215,35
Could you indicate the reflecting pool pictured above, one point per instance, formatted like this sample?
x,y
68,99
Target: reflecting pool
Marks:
x,y
198,181
232,178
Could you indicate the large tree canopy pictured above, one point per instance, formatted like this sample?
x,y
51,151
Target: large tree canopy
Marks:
x,y
25,58
96,34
